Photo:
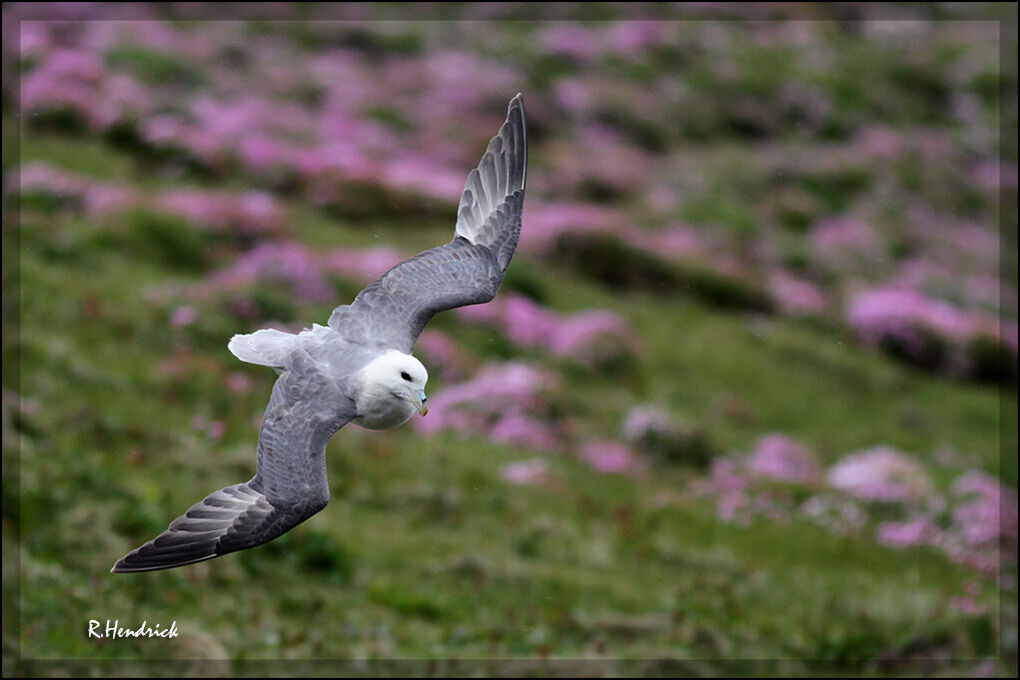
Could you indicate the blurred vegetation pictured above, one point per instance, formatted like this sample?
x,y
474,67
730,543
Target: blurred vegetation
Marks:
x,y
428,561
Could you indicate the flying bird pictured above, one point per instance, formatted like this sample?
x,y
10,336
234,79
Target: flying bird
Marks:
x,y
358,369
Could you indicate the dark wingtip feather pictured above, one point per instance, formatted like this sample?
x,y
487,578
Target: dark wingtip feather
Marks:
x,y
233,518
134,562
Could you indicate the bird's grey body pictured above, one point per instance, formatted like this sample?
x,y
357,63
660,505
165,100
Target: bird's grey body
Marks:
x,y
358,369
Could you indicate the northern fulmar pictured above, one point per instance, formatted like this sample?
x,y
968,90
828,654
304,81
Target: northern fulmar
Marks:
x,y
357,369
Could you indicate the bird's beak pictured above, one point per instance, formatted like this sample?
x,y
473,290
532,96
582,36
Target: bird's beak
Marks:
x,y
421,402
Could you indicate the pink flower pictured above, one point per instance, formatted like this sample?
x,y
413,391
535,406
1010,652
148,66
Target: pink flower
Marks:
x,y
575,40
833,240
607,158
988,512
35,41
587,337
795,295
362,265
608,456
216,429
259,151
546,222
518,429
104,200
441,353
238,382
532,471
679,240
460,81
258,212
967,605
213,429
578,334
1010,335
498,391
572,95
780,457
438,345
880,143
251,212
94,198
642,420
76,80
916,531
906,316
48,179
283,262
882,474
183,316
731,490
343,158
423,175
633,37
526,322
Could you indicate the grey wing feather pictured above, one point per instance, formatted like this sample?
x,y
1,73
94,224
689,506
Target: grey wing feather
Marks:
x,y
501,172
304,412
393,310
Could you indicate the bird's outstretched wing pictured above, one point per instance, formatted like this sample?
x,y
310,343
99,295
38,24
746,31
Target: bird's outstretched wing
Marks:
x,y
468,270
304,412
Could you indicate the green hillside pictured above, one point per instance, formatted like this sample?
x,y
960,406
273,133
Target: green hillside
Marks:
x,y
683,439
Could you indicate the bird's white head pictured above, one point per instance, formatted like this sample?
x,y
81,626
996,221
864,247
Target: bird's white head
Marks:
x,y
392,389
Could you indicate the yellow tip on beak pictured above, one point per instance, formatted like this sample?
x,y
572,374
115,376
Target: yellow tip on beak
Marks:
x,y
422,405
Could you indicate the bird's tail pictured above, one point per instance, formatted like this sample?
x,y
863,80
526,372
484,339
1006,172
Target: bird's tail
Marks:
x,y
267,347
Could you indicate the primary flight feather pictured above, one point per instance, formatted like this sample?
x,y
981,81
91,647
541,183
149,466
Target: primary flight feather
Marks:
x,y
358,369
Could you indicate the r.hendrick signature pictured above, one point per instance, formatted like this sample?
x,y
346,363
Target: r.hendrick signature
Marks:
x,y
113,630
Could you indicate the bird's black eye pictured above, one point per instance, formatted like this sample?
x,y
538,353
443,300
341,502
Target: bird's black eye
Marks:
x,y
405,375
